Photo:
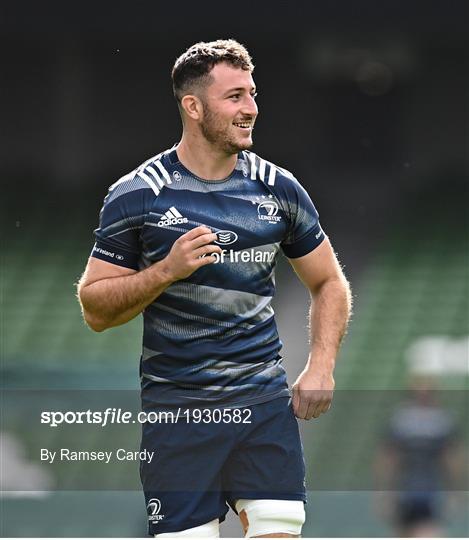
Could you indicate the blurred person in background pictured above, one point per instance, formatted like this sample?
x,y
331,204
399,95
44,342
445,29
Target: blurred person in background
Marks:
x,y
419,460
190,238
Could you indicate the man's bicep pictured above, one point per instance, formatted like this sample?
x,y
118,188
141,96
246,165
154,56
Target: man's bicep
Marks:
x,y
317,266
97,269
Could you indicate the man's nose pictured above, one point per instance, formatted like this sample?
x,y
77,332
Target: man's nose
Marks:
x,y
250,106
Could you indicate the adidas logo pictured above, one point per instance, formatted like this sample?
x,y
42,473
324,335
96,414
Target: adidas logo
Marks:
x,y
172,217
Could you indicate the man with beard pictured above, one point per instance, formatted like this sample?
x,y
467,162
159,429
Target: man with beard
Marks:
x,y
190,238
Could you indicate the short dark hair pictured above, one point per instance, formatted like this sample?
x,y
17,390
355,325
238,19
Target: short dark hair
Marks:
x,y
193,67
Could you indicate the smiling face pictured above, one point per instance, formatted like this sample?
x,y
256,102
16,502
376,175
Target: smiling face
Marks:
x,y
229,109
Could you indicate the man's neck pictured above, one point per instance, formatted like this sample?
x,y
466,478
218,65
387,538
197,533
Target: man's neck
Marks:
x,y
203,160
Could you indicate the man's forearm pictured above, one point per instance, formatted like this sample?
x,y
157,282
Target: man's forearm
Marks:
x,y
116,300
329,315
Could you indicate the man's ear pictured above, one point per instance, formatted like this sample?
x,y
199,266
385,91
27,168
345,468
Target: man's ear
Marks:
x,y
192,106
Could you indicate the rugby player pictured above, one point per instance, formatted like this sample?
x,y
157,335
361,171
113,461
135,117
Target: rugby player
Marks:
x,y
190,238
420,463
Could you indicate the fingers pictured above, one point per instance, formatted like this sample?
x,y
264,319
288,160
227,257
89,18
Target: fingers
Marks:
x,y
315,409
199,236
195,232
309,404
300,404
205,260
191,251
295,400
206,250
202,240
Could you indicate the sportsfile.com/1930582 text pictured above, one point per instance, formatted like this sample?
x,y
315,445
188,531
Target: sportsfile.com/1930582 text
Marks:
x,y
113,415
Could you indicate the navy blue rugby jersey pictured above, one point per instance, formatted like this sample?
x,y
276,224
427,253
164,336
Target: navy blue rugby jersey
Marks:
x,y
211,338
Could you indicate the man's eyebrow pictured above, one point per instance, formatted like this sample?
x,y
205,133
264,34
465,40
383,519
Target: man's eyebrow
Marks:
x,y
240,89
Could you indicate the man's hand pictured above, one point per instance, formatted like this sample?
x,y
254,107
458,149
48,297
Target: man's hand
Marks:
x,y
312,394
111,295
189,252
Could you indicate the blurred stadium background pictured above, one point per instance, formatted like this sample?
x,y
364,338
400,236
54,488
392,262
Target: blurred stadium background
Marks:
x,y
365,101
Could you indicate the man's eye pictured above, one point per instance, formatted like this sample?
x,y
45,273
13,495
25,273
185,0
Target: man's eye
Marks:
x,y
234,96
254,95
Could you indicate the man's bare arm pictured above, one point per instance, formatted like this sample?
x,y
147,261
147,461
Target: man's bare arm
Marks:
x,y
111,295
329,315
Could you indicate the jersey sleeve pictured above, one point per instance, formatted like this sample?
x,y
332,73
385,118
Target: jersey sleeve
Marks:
x,y
120,222
304,232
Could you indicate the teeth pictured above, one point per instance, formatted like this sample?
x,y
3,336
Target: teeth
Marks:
x,y
243,125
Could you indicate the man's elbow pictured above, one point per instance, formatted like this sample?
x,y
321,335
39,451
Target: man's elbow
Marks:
x,y
95,324
337,281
